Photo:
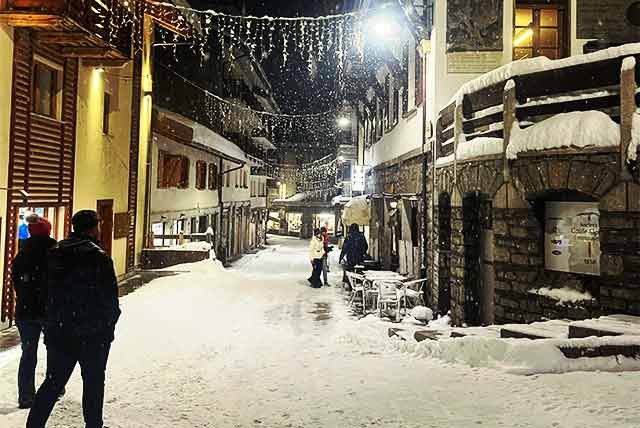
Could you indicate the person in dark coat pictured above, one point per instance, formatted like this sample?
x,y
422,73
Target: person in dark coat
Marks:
x,y
29,274
81,316
354,249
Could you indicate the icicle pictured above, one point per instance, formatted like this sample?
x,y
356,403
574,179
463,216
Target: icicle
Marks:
x,y
285,44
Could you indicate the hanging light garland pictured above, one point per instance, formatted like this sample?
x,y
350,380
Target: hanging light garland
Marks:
x,y
314,39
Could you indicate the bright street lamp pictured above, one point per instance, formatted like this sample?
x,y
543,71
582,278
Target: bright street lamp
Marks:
x,y
384,26
344,122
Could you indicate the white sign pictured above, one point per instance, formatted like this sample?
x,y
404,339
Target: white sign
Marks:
x,y
358,175
572,237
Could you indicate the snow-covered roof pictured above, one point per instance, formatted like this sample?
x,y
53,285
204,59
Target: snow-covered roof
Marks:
x,y
206,137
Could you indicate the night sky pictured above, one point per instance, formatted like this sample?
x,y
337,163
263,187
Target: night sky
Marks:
x,y
295,91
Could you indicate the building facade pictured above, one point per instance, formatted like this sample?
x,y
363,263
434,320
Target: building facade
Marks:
x,y
526,132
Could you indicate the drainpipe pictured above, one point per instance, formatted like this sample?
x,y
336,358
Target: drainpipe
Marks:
x,y
425,162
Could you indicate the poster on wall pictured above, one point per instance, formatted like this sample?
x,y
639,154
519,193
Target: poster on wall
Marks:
x,y
572,237
482,32
611,20
358,178
473,62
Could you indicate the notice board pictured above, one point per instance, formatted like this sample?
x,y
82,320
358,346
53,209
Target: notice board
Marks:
x,y
572,237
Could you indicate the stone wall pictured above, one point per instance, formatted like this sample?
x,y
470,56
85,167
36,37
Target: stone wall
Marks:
x,y
518,237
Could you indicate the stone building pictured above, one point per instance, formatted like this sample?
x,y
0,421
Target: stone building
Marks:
x,y
523,136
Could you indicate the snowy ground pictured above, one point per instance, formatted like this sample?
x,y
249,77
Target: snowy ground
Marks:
x,y
254,346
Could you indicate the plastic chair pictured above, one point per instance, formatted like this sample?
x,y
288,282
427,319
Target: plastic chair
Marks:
x,y
356,281
390,293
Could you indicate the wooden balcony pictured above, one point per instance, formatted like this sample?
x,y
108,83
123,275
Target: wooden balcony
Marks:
x,y
583,83
98,30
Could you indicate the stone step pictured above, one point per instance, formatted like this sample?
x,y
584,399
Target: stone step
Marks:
x,y
613,325
609,350
554,329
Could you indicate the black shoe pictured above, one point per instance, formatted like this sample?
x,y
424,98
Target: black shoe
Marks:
x,y
326,284
25,405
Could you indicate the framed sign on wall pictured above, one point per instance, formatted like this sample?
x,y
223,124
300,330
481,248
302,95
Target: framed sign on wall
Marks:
x,y
572,237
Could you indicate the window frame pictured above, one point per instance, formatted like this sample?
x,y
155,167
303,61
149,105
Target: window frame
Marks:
x,y
106,113
55,89
213,176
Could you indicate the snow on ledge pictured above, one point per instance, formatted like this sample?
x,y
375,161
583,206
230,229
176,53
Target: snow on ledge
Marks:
x,y
564,294
575,129
481,146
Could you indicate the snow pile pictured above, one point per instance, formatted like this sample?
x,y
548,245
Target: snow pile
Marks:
x,y
523,356
357,211
635,137
192,246
422,313
563,295
481,146
441,323
574,129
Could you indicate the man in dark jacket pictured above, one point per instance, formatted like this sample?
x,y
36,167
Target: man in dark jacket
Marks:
x,y
354,249
81,316
29,274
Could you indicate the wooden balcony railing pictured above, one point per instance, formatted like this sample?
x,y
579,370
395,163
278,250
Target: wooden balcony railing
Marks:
x,y
81,28
592,82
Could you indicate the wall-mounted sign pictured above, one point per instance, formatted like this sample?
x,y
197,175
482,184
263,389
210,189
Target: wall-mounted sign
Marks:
x,y
611,20
474,25
358,175
121,225
572,237
473,62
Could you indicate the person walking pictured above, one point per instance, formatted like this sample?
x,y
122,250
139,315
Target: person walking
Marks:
x,y
354,249
316,252
81,316
29,275
325,258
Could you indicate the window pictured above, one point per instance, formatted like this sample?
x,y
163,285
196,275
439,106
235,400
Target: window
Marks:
x,y
387,101
396,106
46,88
405,79
539,31
379,120
213,176
106,112
418,76
173,171
201,175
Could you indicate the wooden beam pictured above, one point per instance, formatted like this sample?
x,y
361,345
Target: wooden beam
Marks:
x,y
16,19
104,62
60,37
85,52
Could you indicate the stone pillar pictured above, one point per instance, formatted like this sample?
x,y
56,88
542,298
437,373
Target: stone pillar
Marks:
x,y
628,87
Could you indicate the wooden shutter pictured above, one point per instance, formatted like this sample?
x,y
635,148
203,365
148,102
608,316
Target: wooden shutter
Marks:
x,y
213,176
184,173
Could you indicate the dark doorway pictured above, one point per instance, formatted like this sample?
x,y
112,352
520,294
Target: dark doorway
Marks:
x,y
444,251
105,216
478,258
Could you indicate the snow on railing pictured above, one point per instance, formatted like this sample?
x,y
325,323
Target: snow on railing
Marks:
x,y
524,93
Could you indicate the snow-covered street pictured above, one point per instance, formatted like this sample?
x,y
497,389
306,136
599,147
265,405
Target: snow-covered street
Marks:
x,y
255,346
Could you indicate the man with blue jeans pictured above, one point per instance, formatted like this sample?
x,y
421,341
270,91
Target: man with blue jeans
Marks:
x,y
81,317
29,274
